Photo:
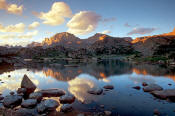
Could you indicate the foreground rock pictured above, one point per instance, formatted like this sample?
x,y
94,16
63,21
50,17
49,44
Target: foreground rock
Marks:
x,y
108,87
11,101
67,99
26,112
36,95
96,91
29,103
52,92
164,94
28,84
47,105
152,87
66,108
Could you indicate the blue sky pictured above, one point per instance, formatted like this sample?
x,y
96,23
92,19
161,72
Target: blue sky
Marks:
x,y
115,17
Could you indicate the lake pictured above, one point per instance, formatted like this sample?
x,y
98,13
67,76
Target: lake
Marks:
x,y
77,79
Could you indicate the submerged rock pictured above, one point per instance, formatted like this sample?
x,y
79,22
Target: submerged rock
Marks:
x,y
12,101
36,95
108,87
144,84
164,94
96,91
29,103
47,105
28,84
52,92
67,99
66,108
152,87
136,87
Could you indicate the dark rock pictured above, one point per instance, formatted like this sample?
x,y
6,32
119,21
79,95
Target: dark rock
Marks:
x,y
12,101
47,105
36,95
169,84
156,112
52,92
66,108
136,87
26,112
28,84
164,94
144,84
108,87
9,75
12,93
1,97
21,90
29,103
152,87
96,91
67,99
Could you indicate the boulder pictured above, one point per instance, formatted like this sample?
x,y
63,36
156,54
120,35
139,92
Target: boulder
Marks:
x,y
12,101
95,91
52,92
29,103
66,108
108,87
67,99
36,95
47,105
152,87
28,84
164,94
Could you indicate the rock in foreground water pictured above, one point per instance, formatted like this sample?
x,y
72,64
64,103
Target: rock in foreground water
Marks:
x,y
11,101
28,84
26,112
164,94
152,87
67,99
96,91
108,87
29,103
52,92
47,105
66,108
36,95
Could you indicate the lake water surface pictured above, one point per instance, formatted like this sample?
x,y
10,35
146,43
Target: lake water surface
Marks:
x,y
122,100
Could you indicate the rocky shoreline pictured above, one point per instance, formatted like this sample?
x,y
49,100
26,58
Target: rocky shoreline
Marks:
x,y
26,101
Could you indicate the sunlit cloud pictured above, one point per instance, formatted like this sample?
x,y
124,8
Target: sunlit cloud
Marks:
x,y
106,32
57,14
27,35
142,31
83,22
18,28
34,25
11,8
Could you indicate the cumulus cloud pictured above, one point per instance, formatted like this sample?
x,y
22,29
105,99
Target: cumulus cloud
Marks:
x,y
106,32
34,25
142,31
56,16
83,22
19,28
27,35
11,8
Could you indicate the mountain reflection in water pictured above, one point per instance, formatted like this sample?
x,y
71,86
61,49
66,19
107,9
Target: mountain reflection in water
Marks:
x,y
78,80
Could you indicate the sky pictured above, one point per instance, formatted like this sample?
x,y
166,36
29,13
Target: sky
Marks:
x,y
24,21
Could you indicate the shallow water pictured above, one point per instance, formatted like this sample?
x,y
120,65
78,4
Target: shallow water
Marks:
x,y
123,100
